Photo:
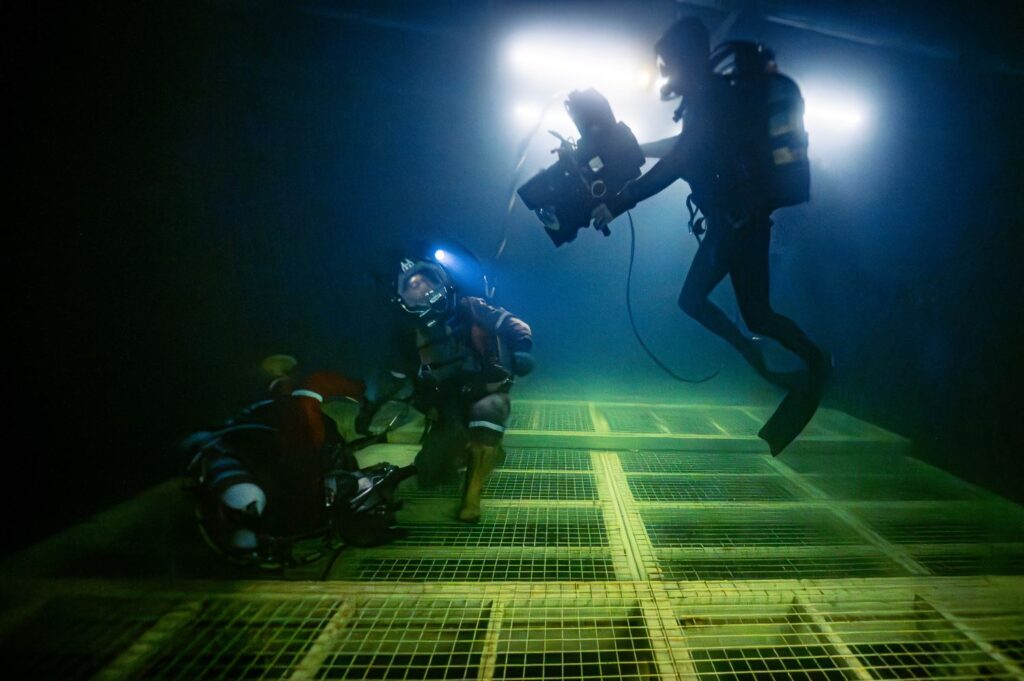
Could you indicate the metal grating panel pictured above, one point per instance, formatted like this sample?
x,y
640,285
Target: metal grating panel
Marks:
x,y
692,462
568,575
414,638
526,527
583,569
731,488
1012,648
749,527
965,523
514,485
558,640
889,488
547,459
771,663
984,560
735,422
826,566
251,639
864,640
920,628
73,638
555,486
911,641
632,420
694,421
551,416
864,463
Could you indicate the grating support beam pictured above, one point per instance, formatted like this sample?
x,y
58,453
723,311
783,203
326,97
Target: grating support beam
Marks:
x,y
1012,667
894,552
313,660
150,643
848,657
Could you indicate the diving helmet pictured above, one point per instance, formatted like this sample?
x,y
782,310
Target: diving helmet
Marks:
x,y
424,289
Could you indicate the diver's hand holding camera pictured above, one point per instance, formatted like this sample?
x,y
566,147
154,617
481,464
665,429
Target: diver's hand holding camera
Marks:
x,y
570,194
602,216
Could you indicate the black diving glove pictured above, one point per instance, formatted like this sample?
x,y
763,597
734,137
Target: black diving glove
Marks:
x,y
522,363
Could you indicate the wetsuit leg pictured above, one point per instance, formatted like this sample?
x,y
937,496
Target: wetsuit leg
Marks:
x,y
750,278
442,449
749,273
712,262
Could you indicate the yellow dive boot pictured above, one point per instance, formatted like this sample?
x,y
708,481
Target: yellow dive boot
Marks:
x,y
482,460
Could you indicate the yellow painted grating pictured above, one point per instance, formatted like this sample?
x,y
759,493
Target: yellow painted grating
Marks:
x,y
75,637
724,488
699,422
946,523
411,638
915,628
547,459
692,462
804,640
865,462
551,416
236,639
554,486
780,565
631,420
891,488
519,568
517,486
515,526
984,559
755,526
580,639
596,564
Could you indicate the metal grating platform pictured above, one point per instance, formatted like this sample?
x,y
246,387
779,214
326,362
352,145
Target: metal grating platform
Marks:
x,y
618,541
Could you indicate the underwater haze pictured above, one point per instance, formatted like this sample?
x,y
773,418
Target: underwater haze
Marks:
x,y
197,185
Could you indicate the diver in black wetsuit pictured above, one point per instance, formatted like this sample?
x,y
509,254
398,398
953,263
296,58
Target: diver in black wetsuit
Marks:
x,y
718,155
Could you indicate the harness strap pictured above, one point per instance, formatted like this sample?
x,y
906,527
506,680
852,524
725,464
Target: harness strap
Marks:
x,y
695,225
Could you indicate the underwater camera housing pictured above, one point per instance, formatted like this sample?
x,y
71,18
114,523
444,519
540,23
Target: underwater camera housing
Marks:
x,y
606,157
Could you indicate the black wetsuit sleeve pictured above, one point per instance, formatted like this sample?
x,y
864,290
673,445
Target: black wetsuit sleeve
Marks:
x,y
513,330
665,172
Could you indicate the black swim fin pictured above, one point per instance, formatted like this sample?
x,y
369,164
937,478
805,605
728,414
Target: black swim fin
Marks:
x,y
791,417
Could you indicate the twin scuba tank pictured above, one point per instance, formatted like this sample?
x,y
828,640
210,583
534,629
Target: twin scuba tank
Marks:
x,y
782,173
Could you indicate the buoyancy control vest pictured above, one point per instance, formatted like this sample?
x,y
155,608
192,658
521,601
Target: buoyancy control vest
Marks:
x,y
780,173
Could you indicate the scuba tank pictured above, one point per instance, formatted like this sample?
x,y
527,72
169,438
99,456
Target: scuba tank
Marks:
x,y
783,175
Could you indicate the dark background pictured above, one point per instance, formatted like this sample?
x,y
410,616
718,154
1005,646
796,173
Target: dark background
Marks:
x,y
194,185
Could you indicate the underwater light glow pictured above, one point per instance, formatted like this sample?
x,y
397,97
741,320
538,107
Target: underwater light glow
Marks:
x,y
540,66
837,119
833,113
848,118
585,63
440,255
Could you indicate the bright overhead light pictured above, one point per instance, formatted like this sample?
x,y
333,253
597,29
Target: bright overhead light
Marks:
x,y
850,118
568,62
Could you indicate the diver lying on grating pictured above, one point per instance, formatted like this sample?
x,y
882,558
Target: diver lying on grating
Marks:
x,y
278,485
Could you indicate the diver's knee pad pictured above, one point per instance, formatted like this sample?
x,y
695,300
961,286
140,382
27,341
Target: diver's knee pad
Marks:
x,y
487,418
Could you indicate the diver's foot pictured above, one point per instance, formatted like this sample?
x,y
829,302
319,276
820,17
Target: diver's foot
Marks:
x,y
789,420
754,354
469,513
